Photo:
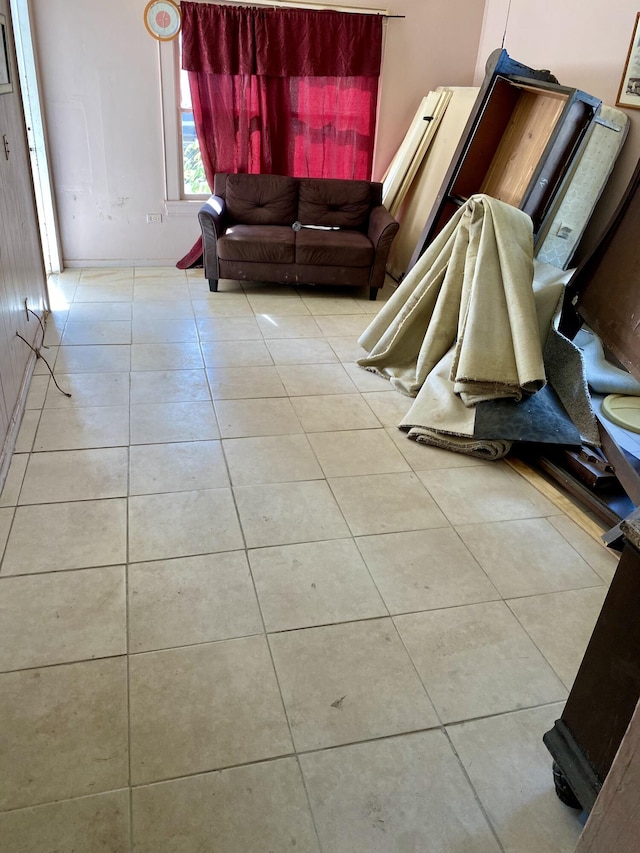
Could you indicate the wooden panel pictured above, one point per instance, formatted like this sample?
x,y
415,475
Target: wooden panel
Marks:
x,y
424,190
607,686
21,262
530,127
606,284
485,139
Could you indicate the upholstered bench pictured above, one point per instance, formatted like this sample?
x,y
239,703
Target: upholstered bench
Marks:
x,y
256,228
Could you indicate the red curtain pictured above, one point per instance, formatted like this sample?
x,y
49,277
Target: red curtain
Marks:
x,y
283,91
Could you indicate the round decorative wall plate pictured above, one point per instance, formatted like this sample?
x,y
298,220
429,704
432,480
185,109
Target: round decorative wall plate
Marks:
x,y
163,19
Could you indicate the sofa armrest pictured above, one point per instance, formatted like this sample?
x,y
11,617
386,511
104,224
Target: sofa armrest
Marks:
x,y
382,229
211,217
379,220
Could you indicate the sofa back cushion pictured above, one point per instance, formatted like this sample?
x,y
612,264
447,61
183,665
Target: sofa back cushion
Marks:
x,y
328,201
261,199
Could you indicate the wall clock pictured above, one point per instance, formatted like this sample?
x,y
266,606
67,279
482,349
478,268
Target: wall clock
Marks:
x,y
163,19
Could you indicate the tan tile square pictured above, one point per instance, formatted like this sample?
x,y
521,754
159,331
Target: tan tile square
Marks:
x,y
477,660
179,467
270,459
183,723
226,286
98,358
229,329
527,557
37,392
147,330
301,351
181,356
346,347
154,423
27,431
169,386
273,326
159,274
235,383
386,503
351,452
223,305
106,276
425,570
316,583
191,600
257,807
103,293
182,524
96,332
422,457
602,560
477,494
172,309
269,416
387,794
340,325
560,624
50,354
6,519
70,536
331,412
365,380
89,390
62,617
303,380
98,824
13,482
286,513
65,732
272,305
390,409
83,427
510,768
161,292
349,682
75,475
324,303
234,354
99,312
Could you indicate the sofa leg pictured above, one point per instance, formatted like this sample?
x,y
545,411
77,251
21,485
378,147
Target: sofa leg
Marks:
x,y
373,292
213,285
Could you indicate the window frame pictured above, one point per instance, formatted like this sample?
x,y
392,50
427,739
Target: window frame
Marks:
x,y
176,202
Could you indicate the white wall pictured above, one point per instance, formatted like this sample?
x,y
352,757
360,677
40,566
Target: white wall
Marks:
x,y
584,43
101,89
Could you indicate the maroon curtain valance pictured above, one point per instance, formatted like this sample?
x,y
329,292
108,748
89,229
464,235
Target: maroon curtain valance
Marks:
x,y
279,42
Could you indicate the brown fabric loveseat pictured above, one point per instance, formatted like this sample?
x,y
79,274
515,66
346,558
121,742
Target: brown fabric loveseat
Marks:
x,y
248,233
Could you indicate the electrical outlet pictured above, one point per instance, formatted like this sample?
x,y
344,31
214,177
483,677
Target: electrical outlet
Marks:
x,y
154,217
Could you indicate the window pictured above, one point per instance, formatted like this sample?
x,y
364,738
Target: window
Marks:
x,y
179,132
194,182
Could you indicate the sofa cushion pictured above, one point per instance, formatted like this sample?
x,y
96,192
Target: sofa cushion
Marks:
x,y
334,202
333,248
259,243
261,199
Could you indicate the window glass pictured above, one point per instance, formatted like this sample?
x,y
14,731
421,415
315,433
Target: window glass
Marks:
x,y
194,181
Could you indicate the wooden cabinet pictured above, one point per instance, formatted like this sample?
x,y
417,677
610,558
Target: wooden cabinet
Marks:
x,y
518,146
22,275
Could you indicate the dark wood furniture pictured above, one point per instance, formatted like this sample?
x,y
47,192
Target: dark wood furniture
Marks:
x,y
519,143
605,293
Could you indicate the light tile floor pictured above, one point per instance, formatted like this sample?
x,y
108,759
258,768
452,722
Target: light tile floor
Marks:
x,y
241,612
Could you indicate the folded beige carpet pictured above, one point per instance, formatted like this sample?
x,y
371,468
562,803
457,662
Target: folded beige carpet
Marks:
x,y
462,327
471,290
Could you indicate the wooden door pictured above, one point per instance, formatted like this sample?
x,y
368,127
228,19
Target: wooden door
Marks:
x,y
22,276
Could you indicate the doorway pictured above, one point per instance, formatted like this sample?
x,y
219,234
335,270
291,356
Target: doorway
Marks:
x,y
36,139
